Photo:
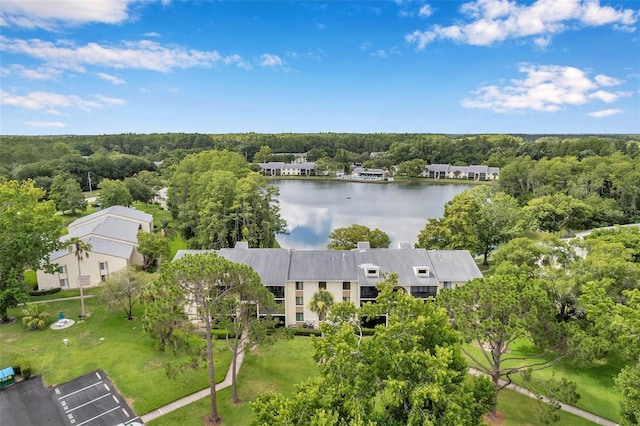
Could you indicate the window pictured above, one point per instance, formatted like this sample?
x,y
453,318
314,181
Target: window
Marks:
x,y
103,266
277,291
63,269
446,284
346,285
64,282
104,277
299,285
368,292
299,316
423,292
322,285
346,299
299,301
421,271
372,272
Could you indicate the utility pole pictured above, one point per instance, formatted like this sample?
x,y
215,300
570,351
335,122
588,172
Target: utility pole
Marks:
x,y
89,178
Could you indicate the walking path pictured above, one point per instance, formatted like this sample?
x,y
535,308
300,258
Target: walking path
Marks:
x,y
193,397
564,407
227,382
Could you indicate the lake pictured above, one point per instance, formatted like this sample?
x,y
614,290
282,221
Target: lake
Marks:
x,y
313,209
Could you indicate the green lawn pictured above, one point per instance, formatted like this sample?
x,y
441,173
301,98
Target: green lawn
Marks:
x,y
274,368
277,368
104,341
594,384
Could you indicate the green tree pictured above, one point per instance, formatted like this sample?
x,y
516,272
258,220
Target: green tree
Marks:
x,y
67,194
412,168
81,251
411,372
122,290
554,212
263,156
215,288
114,193
498,310
320,303
316,154
348,238
153,247
29,231
35,317
217,200
477,220
139,190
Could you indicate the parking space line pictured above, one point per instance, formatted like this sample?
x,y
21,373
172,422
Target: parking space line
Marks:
x,y
95,417
80,390
87,403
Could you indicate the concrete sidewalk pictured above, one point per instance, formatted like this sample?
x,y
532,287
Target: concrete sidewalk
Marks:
x,y
194,396
564,407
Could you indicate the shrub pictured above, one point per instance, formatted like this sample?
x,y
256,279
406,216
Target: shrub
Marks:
x,y
44,292
23,367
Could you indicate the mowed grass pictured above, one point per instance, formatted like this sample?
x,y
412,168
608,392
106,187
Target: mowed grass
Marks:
x,y
107,341
272,368
595,383
520,410
277,368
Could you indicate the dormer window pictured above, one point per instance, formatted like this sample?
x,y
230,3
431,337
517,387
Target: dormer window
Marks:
x,y
371,271
421,271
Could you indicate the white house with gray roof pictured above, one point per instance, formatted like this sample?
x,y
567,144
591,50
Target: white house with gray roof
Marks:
x,y
294,276
472,172
112,234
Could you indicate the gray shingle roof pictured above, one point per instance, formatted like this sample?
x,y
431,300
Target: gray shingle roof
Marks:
x,y
454,265
126,212
272,265
102,246
108,226
322,265
277,266
438,167
400,261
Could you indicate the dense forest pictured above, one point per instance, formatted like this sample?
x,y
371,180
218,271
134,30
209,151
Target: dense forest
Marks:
x,y
603,171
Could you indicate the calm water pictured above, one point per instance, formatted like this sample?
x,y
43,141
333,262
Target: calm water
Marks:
x,y
312,209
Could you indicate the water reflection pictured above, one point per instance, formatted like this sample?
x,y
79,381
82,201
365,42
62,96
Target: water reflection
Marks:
x,y
313,209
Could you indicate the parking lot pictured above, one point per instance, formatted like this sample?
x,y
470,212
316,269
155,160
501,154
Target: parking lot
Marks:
x,y
92,400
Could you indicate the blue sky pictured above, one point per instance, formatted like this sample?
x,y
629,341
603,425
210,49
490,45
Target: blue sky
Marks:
x,y
478,66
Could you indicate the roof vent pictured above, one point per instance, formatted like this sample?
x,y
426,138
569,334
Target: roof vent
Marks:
x,y
242,245
364,245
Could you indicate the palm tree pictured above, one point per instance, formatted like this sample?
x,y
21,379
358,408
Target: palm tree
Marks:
x,y
81,250
320,303
35,318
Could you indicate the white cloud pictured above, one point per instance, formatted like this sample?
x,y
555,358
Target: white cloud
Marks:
x,y
110,101
544,88
605,80
605,113
110,78
40,73
493,21
270,60
151,34
49,14
51,102
45,124
425,11
380,53
238,61
143,54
